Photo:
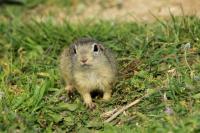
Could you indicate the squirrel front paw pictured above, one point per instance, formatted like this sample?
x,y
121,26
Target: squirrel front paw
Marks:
x,y
91,105
70,91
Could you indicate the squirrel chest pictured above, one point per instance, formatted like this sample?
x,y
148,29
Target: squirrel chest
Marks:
x,y
97,79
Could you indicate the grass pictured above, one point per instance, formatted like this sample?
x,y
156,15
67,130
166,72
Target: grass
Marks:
x,y
162,56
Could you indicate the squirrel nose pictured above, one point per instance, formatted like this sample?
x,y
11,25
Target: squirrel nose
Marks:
x,y
84,60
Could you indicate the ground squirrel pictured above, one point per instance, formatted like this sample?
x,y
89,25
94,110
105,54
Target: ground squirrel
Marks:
x,y
87,65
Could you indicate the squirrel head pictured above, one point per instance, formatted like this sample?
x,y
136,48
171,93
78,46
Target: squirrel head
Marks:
x,y
87,52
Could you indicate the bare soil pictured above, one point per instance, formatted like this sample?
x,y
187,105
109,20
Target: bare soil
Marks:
x,y
121,10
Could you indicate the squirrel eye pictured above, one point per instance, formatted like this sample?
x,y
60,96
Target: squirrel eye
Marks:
x,y
95,48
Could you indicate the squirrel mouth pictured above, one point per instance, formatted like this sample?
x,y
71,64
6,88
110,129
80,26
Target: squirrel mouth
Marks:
x,y
85,65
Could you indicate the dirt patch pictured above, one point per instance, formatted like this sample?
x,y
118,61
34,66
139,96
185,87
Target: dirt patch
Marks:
x,y
121,10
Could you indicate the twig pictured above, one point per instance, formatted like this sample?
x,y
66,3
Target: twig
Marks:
x,y
109,113
125,108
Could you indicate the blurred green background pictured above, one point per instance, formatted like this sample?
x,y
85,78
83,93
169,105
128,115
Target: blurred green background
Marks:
x,y
159,53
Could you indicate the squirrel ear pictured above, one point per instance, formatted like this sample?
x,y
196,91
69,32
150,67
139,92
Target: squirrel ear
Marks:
x,y
101,47
72,49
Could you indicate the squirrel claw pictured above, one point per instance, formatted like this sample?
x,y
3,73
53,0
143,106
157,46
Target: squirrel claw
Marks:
x,y
91,105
